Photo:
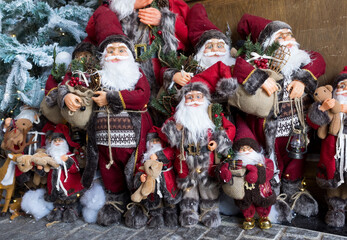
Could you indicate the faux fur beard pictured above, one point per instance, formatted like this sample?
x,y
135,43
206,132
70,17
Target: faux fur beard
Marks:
x,y
151,149
122,8
57,151
122,75
206,61
252,158
295,60
195,119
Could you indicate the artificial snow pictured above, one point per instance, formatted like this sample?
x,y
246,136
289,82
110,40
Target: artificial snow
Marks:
x,y
33,203
92,201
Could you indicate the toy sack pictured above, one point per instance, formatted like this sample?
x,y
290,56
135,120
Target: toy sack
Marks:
x,y
235,188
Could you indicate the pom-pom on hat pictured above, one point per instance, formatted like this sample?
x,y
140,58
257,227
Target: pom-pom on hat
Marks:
x,y
259,28
244,136
201,28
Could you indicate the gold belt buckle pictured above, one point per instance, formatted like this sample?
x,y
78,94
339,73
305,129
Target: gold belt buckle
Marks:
x,y
194,150
139,50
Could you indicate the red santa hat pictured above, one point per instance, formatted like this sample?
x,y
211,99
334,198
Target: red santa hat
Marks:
x,y
111,33
342,76
244,136
59,131
201,28
260,28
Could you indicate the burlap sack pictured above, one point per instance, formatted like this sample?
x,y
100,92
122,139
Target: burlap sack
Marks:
x,y
51,113
79,118
235,188
259,104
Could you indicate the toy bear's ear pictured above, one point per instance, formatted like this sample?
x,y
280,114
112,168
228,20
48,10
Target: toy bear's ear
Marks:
x,y
329,87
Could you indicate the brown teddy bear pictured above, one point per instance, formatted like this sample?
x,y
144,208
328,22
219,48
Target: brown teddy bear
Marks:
x,y
320,95
152,169
26,162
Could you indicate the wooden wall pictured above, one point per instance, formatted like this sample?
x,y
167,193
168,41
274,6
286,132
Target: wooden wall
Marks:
x,y
318,25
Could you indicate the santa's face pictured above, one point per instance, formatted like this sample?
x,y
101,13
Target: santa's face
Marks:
x,y
194,99
214,48
245,149
341,92
285,37
86,55
58,141
116,52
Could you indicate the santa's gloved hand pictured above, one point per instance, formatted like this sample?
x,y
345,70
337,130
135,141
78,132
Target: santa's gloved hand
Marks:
x,y
224,173
252,174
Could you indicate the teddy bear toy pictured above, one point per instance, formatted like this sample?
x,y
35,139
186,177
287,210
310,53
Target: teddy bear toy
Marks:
x,y
320,95
152,169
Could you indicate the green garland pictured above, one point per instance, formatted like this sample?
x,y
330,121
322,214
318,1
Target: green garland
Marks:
x,y
58,70
165,102
217,115
250,47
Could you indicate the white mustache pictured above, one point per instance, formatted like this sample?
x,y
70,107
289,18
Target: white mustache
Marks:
x,y
195,102
294,43
209,54
110,58
340,93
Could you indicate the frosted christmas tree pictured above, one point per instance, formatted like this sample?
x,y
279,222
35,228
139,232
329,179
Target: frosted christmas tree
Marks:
x,y
30,30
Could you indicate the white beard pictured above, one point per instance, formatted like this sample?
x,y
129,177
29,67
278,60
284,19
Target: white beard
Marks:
x,y
195,119
296,59
122,75
341,98
252,158
206,62
57,151
151,149
122,8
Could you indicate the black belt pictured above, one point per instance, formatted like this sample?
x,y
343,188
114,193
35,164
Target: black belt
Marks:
x,y
195,150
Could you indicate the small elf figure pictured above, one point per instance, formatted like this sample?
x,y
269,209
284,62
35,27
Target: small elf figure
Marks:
x,y
64,183
258,194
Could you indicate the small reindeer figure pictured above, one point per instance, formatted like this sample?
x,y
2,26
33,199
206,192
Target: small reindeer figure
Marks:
x,y
8,180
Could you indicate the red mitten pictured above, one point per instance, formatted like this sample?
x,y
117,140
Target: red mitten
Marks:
x,y
252,174
224,173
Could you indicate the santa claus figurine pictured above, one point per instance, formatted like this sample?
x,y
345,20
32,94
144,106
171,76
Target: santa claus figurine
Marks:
x,y
210,46
118,126
258,194
64,183
195,139
300,70
137,18
332,164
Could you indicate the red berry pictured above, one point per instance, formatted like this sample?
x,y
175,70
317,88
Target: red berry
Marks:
x,y
256,62
222,114
265,60
80,83
153,37
216,115
160,32
77,78
72,78
72,84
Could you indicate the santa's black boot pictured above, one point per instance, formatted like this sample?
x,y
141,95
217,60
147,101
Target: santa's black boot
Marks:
x,y
70,213
136,215
300,200
189,212
209,213
156,218
335,216
170,215
56,214
111,212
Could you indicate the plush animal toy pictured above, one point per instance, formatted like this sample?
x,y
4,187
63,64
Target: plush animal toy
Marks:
x,y
153,169
320,95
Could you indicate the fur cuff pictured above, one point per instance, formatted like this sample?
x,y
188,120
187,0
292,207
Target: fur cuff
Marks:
x,y
167,27
223,143
168,77
51,98
255,81
62,91
161,156
306,78
226,86
325,183
317,116
173,135
114,101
